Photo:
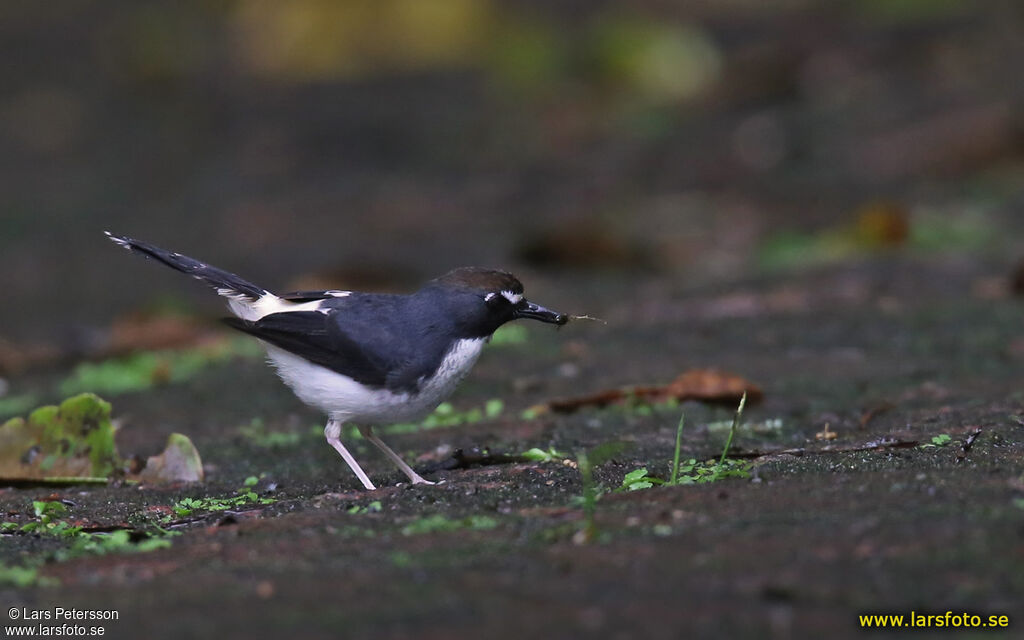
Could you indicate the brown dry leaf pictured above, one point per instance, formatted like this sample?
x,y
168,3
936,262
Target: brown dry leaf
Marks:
x,y
703,385
16,358
709,385
599,399
883,224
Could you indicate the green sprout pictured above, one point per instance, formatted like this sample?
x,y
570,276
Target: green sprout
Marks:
x,y
679,442
81,543
691,471
587,461
732,431
373,507
940,440
245,497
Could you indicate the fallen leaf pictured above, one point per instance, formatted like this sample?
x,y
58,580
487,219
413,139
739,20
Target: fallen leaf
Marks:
x,y
882,224
703,385
74,440
73,443
179,462
708,385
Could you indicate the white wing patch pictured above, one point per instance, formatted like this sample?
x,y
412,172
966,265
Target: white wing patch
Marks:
x,y
266,305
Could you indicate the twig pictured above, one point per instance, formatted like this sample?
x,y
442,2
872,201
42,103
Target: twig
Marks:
x,y
968,443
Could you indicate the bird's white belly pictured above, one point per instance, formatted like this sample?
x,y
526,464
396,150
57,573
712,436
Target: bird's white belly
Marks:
x,y
344,399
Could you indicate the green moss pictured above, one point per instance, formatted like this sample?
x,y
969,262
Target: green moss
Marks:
x,y
438,522
74,442
445,415
144,370
22,577
71,440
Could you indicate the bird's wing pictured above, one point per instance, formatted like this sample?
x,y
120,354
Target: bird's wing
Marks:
x,y
316,337
380,357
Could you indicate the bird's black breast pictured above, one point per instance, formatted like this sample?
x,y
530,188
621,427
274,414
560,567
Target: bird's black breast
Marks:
x,y
382,341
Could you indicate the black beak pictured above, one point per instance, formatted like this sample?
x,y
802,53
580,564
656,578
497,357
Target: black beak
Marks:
x,y
527,309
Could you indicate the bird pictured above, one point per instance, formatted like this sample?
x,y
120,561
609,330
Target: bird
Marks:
x,y
368,359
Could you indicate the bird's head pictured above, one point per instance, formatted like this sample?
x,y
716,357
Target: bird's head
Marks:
x,y
489,298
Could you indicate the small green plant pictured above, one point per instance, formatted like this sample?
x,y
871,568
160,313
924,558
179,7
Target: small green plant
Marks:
x,y
679,443
120,541
590,497
47,523
732,431
587,461
245,497
373,507
81,543
438,522
401,559
145,369
638,479
940,440
257,433
691,471
445,415
540,455
531,413
22,577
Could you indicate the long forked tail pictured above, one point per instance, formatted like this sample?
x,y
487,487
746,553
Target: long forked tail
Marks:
x,y
227,284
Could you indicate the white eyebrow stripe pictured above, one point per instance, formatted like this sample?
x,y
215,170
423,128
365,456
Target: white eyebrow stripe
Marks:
x,y
514,298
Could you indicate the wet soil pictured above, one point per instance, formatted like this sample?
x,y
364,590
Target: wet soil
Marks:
x,y
814,536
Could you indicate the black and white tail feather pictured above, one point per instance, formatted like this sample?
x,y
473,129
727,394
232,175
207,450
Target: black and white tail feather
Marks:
x,y
246,300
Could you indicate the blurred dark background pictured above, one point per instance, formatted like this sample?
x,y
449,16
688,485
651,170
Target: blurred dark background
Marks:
x,y
373,143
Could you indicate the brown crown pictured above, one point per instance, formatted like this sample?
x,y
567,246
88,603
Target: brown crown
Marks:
x,y
482,279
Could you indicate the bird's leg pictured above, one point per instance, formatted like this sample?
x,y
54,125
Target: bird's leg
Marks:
x,y
333,433
414,477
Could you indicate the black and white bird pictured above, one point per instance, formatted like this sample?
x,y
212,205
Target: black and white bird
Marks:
x,y
369,358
